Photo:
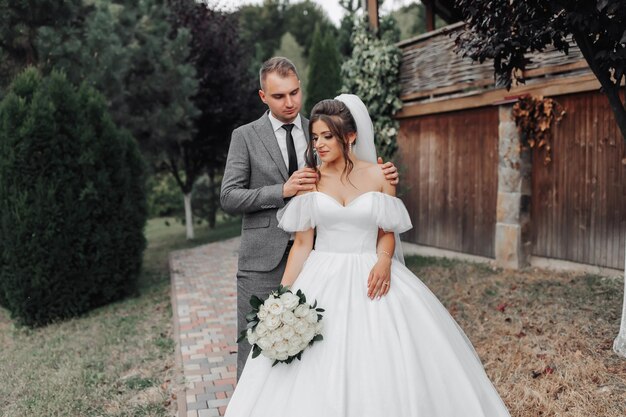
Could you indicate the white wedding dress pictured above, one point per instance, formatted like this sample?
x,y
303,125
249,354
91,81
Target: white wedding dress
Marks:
x,y
400,356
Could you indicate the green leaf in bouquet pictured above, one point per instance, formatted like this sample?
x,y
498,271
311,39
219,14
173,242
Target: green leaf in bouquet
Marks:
x,y
276,361
251,316
299,356
256,302
317,338
314,304
319,317
321,310
242,336
256,351
252,324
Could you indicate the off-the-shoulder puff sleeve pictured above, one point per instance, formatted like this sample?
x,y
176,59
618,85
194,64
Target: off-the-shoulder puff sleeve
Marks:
x,y
298,215
391,214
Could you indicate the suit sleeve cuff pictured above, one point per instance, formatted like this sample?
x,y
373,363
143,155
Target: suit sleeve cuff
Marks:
x,y
276,195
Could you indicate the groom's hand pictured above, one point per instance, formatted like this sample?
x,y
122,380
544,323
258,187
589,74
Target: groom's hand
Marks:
x,y
302,180
390,171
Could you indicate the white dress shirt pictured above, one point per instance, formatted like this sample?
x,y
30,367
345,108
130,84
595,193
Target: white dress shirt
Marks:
x,y
299,140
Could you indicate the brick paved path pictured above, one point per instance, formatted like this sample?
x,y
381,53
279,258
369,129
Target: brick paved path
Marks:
x,y
205,319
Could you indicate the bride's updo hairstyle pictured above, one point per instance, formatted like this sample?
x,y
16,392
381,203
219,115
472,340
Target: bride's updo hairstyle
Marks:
x,y
339,120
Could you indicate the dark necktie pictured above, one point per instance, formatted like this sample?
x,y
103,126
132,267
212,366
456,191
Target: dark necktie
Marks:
x,y
291,149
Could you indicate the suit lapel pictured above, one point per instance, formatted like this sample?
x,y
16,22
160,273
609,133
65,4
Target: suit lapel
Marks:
x,y
264,130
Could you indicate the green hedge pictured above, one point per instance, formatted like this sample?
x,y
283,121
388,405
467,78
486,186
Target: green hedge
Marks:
x,y
72,201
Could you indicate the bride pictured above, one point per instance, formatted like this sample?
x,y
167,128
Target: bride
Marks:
x,y
390,347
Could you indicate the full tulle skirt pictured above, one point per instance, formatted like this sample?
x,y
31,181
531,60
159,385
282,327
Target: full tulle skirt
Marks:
x,y
401,355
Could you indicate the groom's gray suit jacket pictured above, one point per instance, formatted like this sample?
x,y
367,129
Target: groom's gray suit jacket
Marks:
x,y
253,185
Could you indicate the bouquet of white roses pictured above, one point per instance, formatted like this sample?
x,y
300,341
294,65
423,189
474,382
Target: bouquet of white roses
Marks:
x,y
282,326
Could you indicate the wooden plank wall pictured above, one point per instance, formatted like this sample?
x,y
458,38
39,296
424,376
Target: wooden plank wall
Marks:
x,y
578,209
430,68
449,168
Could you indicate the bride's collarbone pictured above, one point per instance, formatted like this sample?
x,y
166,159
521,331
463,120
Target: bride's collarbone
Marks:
x,y
347,196
346,190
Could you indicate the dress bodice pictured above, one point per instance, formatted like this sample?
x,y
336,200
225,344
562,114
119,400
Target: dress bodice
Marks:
x,y
352,228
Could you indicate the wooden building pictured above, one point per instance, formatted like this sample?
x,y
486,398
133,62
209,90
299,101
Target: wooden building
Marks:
x,y
470,187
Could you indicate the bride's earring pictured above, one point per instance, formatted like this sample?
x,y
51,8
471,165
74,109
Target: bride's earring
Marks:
x,y
350,147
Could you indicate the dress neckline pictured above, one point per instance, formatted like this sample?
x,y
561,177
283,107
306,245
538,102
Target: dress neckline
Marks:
x,y
351,201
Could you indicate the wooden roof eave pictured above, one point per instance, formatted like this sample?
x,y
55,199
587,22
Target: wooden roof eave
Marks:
x,y
435,79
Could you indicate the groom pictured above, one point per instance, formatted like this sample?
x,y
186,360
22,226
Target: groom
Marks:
x,y
266,167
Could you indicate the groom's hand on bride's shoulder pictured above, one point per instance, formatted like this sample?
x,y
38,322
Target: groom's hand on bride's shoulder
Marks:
x,y
390,171
302,180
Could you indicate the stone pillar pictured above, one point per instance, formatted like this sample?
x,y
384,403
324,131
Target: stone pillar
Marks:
x,y
512,240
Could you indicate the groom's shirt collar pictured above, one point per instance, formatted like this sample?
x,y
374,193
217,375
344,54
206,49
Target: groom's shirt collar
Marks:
x,y
277,124
299,139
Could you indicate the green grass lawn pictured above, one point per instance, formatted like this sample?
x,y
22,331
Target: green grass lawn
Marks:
x,y
114,361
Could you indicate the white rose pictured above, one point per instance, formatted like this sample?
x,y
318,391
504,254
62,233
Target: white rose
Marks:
x,y
319,327
261,329
272,322
290,300
287,331
281,356
292,351
295,341
269,353
276,336
264,343
288,317
252,336
274,306
301,326
309,334
302,310
262,314
312,317
281,346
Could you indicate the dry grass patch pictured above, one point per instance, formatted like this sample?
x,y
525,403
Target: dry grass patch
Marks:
x,y
545,338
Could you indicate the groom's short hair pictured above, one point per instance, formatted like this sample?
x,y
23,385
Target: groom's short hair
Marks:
x,y
279,64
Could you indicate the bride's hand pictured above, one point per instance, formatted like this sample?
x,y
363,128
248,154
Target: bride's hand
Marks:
x,y
378,282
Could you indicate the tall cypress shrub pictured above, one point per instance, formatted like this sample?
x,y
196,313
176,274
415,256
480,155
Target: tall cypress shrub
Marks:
x,y
72,201
324,72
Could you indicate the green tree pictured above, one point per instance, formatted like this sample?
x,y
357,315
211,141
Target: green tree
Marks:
x,y
411,20
20,22
346,26
160,87
99,53
73,203
290,48
300,19
132,53
324,76
261,27
372,73
226,95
